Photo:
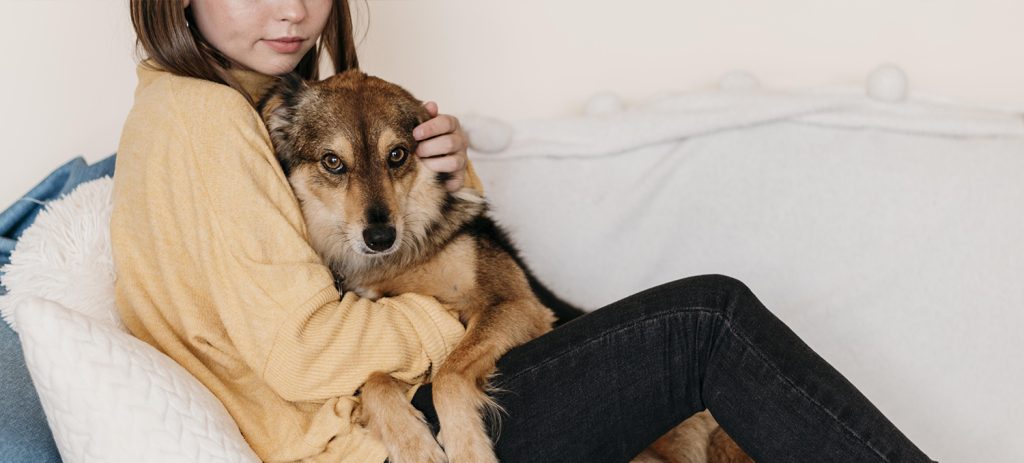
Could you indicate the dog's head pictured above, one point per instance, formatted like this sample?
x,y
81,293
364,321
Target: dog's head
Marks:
x,y
346,146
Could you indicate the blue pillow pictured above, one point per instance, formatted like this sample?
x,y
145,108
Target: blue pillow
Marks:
x,y
24,435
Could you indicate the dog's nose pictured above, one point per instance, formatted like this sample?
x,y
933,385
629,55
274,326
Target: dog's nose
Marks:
x,y
379,237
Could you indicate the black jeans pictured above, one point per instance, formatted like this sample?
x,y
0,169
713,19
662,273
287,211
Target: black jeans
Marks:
x,y
603,387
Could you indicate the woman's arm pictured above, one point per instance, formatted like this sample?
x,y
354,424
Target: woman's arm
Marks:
x,y
229,231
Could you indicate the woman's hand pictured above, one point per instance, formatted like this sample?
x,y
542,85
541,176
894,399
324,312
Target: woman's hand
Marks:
x,y
442,146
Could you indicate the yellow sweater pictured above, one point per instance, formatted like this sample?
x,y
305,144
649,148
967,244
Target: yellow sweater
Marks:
x,y
214,269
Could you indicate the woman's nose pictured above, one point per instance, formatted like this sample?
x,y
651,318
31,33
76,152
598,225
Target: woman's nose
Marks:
x,y
291,10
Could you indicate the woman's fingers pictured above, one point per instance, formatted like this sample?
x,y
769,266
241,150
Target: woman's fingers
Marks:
x,y
452,164
439,125
440,146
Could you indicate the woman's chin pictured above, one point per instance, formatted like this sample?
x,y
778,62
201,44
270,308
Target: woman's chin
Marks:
x,y
275,64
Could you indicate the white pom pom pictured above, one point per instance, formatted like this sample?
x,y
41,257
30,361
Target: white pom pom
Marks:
x,y
738,80
65,256
603,103
888,83
486,134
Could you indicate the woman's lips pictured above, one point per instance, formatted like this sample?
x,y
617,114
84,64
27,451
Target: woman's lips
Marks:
x,y
285,44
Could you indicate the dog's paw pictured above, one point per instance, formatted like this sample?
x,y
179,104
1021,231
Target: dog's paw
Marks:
x,y
416,448
368,293
467,449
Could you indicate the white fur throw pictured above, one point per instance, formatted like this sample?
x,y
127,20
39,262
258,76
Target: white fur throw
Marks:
x,y
108,396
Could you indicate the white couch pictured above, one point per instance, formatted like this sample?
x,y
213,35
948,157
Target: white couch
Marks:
x,y
887,234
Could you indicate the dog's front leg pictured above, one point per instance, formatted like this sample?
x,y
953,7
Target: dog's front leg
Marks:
x,y
461,380
458,386
459,402
390,418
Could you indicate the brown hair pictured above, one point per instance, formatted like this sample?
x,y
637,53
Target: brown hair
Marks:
x,y
167,33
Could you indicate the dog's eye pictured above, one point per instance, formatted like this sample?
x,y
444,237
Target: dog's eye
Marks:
x,y
332,163
397,156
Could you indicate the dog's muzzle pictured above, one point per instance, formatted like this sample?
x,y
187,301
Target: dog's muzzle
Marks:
x,y
379,238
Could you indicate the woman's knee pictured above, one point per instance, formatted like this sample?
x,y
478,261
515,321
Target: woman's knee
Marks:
x,y
717,293
709,294
722,283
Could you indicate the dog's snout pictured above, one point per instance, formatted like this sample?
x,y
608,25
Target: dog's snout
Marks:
x,y
377,214
379,237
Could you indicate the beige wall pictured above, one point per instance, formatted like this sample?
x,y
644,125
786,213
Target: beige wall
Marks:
x,y
68,64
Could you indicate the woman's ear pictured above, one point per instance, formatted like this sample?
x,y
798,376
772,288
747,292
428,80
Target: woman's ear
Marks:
x,y
186,3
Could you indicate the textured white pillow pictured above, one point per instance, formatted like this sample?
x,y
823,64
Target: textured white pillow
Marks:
x,y
108,396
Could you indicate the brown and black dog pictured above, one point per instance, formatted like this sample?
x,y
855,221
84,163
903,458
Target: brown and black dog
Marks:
x,y
385,226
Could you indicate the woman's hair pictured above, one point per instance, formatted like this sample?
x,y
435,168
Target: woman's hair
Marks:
x,y
167,33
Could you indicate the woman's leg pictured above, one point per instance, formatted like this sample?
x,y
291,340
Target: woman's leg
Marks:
x,y
603,387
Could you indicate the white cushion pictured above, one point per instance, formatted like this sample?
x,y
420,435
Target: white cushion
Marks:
x,y
108,396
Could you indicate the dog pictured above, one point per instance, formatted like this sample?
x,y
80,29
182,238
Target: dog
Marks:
x,y
386,226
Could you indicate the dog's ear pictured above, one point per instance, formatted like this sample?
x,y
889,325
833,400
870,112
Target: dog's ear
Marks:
x,y
421,113
277,107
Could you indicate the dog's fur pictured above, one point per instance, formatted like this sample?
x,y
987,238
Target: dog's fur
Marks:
x,y
699,439
385,226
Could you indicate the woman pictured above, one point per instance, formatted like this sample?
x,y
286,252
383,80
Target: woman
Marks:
x,y
214,270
